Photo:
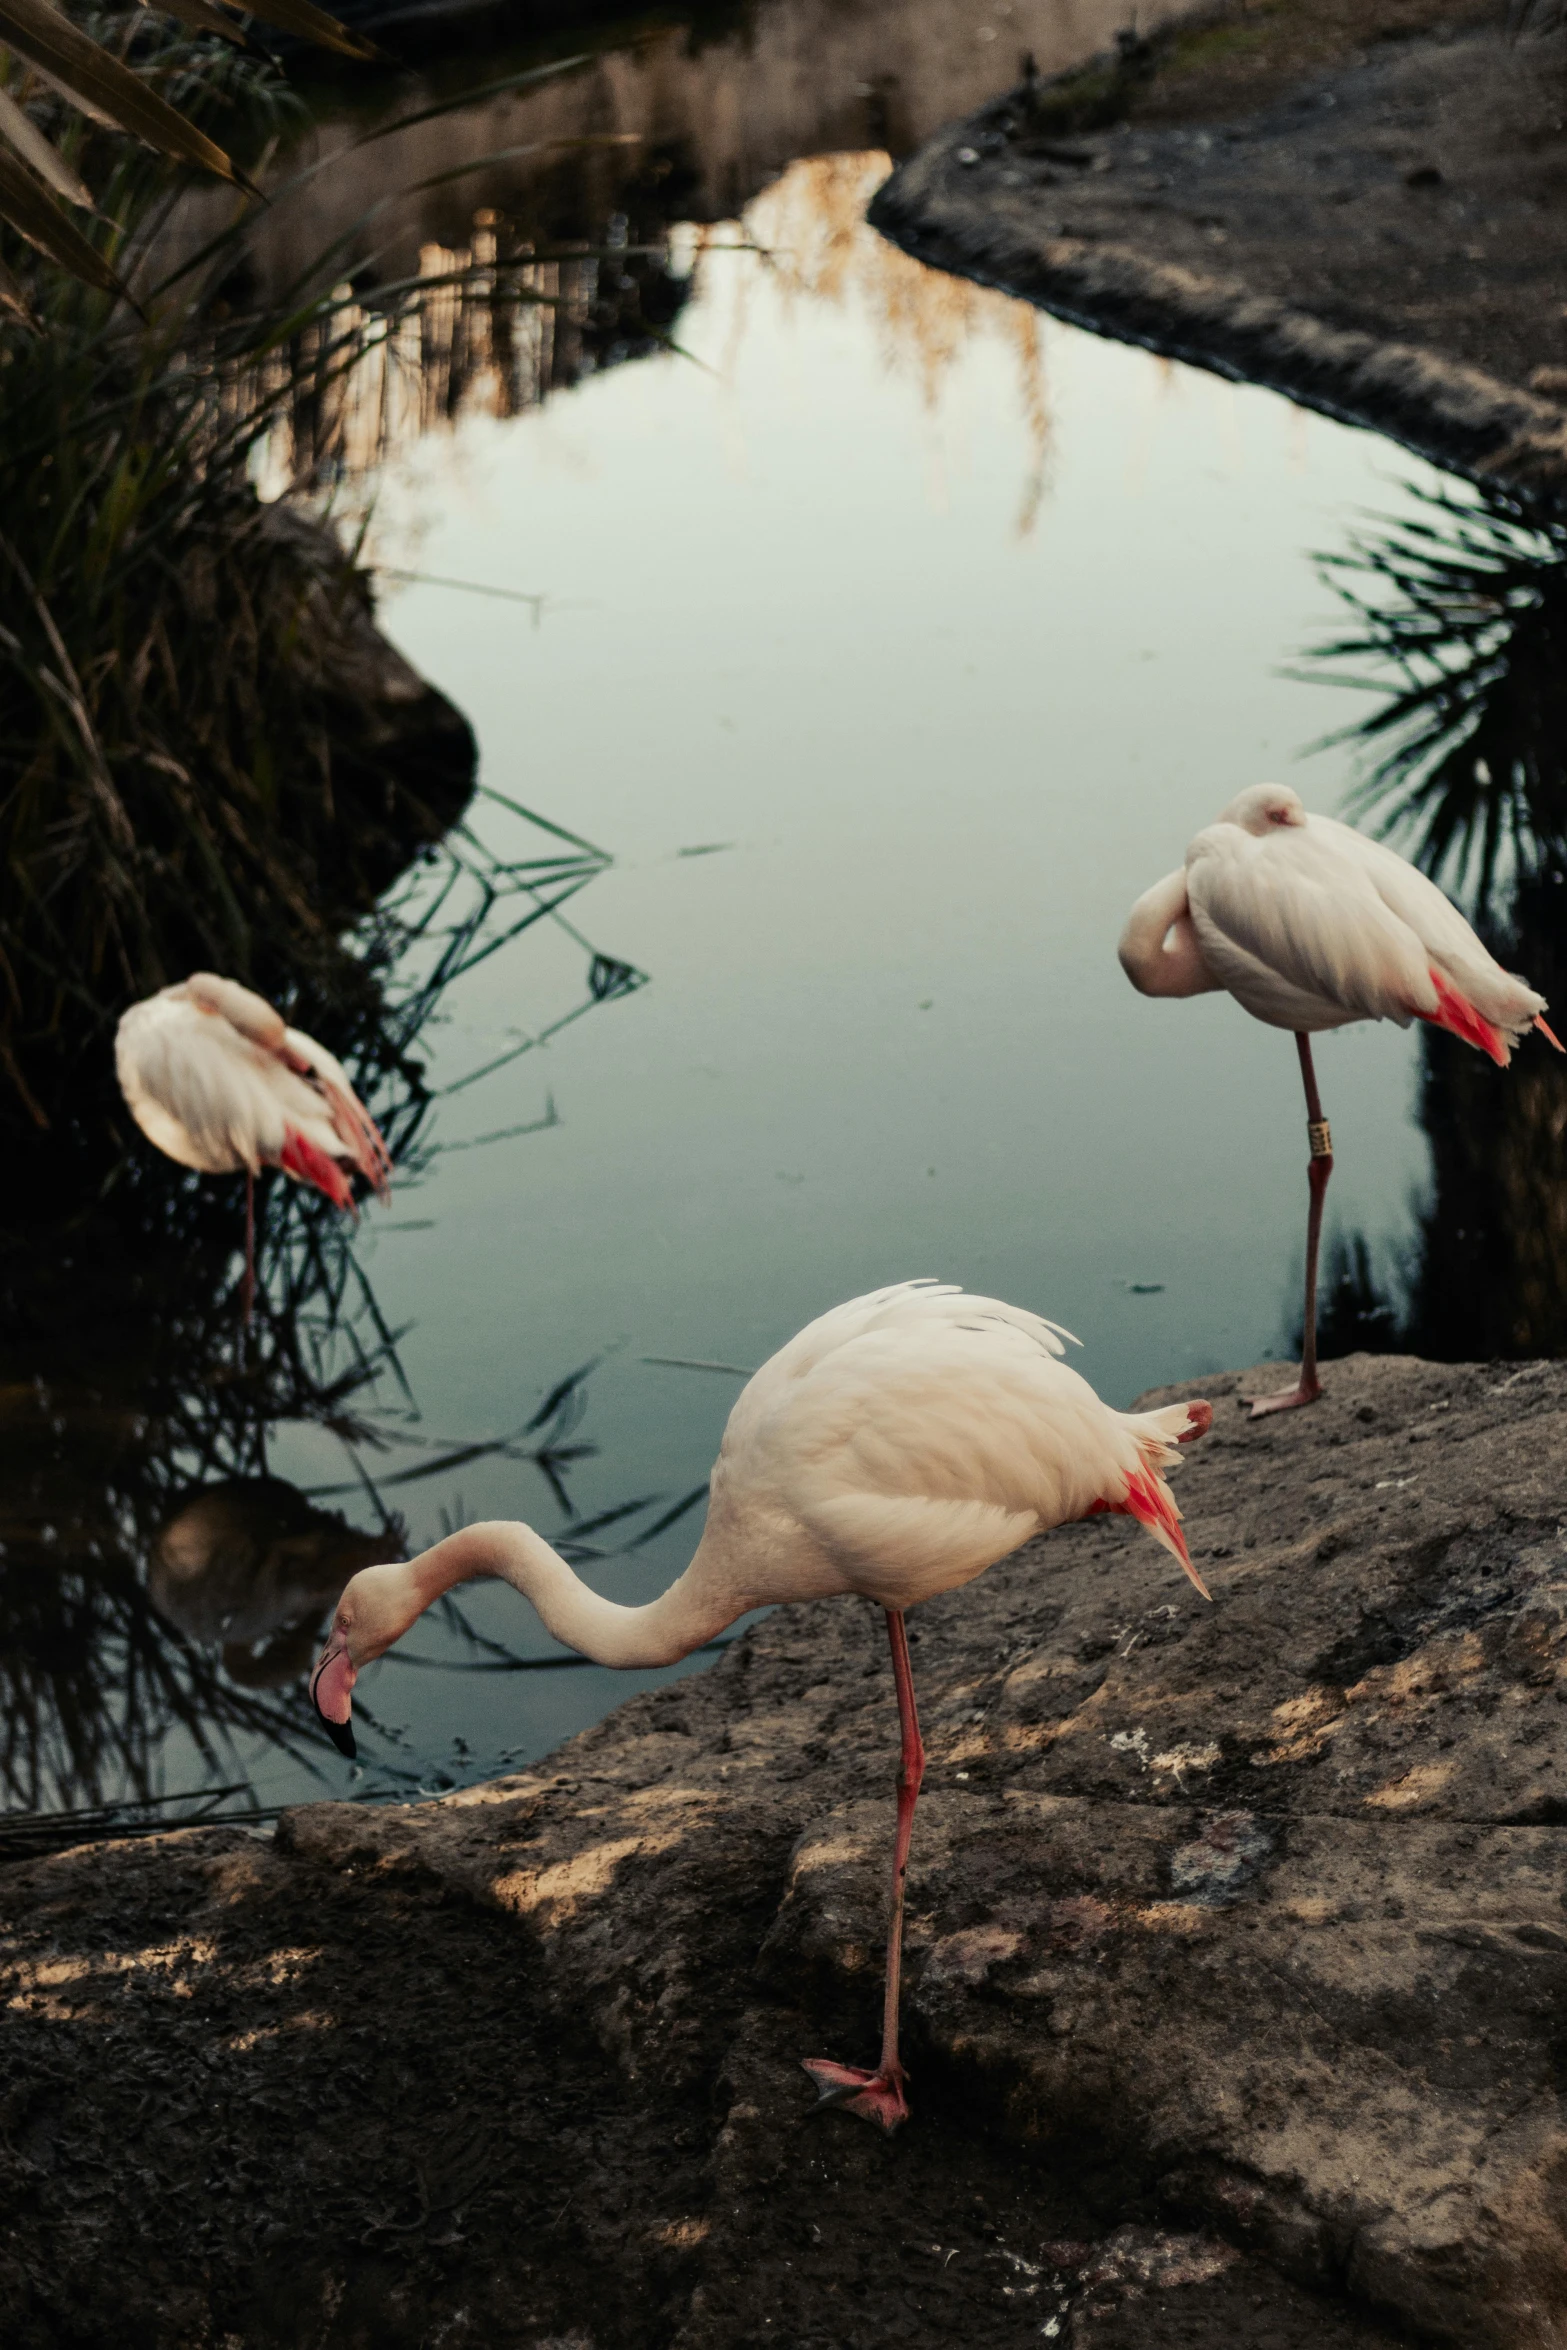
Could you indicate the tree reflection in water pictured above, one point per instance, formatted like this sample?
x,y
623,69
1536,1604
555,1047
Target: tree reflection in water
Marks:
x,y
1469,609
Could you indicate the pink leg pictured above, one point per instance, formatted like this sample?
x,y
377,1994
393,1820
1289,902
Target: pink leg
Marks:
x,y
1318,1168
878,2096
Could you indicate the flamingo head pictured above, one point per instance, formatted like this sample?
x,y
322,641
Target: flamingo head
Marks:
x,y
376,1609
1263,808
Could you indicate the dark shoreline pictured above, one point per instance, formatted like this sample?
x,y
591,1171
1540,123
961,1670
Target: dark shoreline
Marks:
x,y
1330,254
1236,1967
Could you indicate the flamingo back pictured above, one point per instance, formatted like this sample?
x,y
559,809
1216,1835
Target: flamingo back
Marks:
x,y
908,1440
224,1095
1310,925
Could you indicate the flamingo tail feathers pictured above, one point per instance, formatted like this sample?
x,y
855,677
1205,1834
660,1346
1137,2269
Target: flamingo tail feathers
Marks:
x,y
1150,1501
1549,1033
361,1136
301,1159
357,1131
1457,1015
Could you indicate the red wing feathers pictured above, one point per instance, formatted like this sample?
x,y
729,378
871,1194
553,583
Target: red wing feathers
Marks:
x,y
301,1158
1457,1014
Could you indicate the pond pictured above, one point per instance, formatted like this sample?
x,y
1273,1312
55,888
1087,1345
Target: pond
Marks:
x,y
887,638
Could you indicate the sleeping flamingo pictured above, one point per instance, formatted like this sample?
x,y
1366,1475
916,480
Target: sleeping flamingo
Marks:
x,y
896,1448
1311,925
215,1078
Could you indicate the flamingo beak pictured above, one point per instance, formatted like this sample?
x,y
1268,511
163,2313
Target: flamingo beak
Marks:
x,y
331,1693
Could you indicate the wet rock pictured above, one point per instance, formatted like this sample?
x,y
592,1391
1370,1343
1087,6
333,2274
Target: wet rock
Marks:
x,y
1236,1959
1364,217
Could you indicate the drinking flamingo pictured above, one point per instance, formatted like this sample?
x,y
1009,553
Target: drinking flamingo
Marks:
x,y
896,1448
1310,925
217,1080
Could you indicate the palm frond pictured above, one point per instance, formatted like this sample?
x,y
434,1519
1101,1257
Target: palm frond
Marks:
x,y
1463,621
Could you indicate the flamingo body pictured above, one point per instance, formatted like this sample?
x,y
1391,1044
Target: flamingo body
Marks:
x,y
1310,925
216,1080
896,1448
904,1442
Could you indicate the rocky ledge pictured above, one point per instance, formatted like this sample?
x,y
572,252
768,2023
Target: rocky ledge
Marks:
x,y
1360,207
1237,1969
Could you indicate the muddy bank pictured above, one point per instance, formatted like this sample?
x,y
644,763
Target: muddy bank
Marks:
x,y
1236,1969
1360,208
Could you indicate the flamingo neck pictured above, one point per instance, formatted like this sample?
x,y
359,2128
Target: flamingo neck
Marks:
x,y
690,1612
1159,950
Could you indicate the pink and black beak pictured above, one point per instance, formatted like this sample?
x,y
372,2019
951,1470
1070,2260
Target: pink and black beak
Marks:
x,y
331,1693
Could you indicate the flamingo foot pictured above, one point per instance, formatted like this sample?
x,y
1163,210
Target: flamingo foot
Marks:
x,y
1306,1392
876,2097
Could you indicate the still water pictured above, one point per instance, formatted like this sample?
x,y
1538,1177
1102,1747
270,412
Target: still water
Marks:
x,y
888,638
893,638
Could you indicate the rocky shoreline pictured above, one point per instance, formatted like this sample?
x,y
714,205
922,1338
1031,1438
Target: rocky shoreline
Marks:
x,y
1237,1961
1369,222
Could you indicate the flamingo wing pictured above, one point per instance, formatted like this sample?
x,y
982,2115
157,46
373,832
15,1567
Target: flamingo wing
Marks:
x,y
198,1089
917,1436
217,1081
1499,996
1299,933
361,1140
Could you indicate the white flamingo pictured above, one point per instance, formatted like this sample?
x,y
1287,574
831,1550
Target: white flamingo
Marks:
x,y
1311,925
218,1081
896,1448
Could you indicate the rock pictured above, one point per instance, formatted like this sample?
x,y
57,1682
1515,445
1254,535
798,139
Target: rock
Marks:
x,y
1237,1952
1384,199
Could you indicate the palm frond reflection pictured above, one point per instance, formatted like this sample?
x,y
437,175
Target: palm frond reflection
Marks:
x,y
1467,766
1467,753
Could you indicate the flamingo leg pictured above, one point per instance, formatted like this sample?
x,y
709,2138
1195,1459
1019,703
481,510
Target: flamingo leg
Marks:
x,y
1318,1168
249,1292
878,2096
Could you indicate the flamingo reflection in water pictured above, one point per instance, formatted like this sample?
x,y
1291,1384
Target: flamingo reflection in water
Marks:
x,y
1311,925
251,1565
216,1078
894,1449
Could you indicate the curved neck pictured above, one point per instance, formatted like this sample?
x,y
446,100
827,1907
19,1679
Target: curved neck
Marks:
x,y
1159,950
690,1612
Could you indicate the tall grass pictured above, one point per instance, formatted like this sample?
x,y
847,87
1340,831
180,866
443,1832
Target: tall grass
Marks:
x,y
207,757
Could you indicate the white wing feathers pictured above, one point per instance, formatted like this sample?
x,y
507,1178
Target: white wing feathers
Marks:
x,y
217,1082
918,1435
1286,909
1498,995
1312,925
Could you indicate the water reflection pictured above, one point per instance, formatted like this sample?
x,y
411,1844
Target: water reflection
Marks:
x,y
489,327
680,120
250,1566
493,330
156,1582
1468,606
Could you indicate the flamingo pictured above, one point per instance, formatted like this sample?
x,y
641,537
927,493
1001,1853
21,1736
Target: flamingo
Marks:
x,y
1310,925
896,1447
216,1079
